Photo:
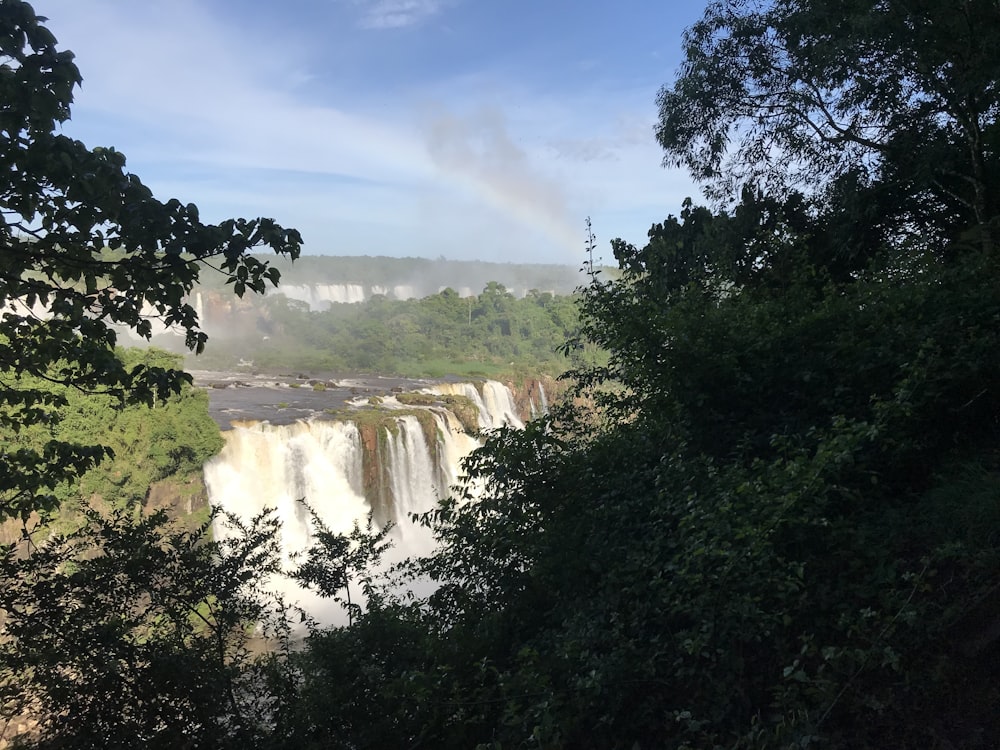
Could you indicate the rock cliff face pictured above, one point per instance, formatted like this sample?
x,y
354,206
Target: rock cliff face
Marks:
x,y
533,395
20,729
228,314
185,499
11,530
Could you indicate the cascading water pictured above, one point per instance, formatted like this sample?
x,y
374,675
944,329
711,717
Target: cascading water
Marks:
x,y
400,291
415,482
500,401
495,404
451,451
465,390
543,402
400,465
319,296
270,466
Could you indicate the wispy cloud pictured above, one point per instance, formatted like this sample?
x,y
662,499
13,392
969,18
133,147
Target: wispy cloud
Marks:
x,y
483,163
394,14
480,151
584,149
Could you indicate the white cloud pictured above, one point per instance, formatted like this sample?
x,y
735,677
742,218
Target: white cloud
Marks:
x,y
479,150
394,14
243,125
216,100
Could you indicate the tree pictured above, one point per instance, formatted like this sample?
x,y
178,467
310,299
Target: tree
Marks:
x,y
126,633
897,101
172,440
769,519
119,632
88,249
777,528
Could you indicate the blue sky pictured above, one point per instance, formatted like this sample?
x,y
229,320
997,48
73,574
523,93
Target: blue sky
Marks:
x,y
485,129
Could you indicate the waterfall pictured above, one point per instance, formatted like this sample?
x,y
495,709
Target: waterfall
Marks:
x,y
495,404
271,466
399,463
319,296
500,405
543,402
468,390
454,444
414,483
404,291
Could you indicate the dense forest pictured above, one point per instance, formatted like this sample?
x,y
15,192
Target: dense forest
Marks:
x,y
141,448
770,516
441,334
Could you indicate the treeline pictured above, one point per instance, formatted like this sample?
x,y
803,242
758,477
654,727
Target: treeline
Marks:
x,y
443,334
424,274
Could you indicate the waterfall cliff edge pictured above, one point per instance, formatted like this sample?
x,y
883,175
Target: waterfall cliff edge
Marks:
x,y
393,456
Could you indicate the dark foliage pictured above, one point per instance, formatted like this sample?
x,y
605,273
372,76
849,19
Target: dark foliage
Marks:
x,y
87,248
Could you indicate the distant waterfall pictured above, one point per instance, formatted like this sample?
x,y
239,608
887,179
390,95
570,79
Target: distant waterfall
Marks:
x,y
320,296
495,403
396,464
543,402
500,405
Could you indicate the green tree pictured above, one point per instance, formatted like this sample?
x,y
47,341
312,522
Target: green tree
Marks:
x,y
120,632
125,633
777,528
769,519
87,249
148,445
887,109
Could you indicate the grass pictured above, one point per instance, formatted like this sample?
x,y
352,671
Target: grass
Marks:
x,y
441,368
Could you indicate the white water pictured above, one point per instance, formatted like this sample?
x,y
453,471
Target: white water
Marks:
x,y
322,462
454,448
543,403
414,482
496,404
500,405
271,466
320,296
400,291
